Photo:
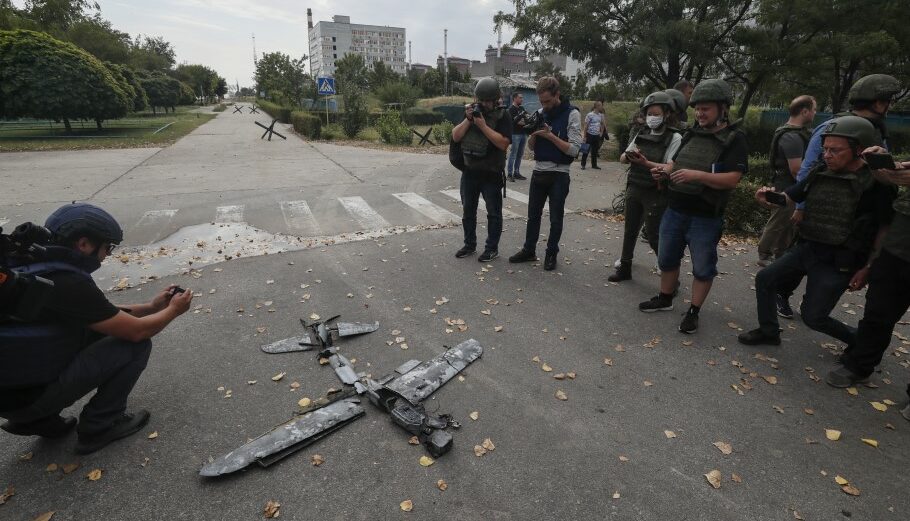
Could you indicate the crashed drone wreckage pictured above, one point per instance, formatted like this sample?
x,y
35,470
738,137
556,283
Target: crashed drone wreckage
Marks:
x,y
399,394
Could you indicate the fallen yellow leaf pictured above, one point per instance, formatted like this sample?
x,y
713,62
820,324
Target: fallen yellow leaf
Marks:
x,y
546,368
850,489
317,460
474,415
669,434
10,492
832,434
725,448
479,451
559,376
871,442
304,402
278,377
27,456
608,361
314,316
713,478
840,480
45,516
413,440
52,468
407,505
736,479
442,485
497,329
426,461
271,510
878,406
616,495
852,391
770,379
488,444
69,468
153,435
560,395
94,475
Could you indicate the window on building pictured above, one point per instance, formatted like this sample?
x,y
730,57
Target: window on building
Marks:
x,y
334,48
333,38
335,56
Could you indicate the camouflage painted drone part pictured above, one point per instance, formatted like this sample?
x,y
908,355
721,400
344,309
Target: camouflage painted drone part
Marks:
x,y
355,328
288,438
289,345
423,380
343,369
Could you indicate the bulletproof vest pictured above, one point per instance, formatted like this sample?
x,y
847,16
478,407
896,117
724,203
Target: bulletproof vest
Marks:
x,y
831,202
480,155
558,120
700,149
653,147
781,179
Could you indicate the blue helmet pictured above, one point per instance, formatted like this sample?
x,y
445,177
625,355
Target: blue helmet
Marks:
x,y
76,220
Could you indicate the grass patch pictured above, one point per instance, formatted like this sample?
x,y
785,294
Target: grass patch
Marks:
x,y
429,103
136,131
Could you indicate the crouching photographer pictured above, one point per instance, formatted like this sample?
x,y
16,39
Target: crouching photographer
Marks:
x,y
60,338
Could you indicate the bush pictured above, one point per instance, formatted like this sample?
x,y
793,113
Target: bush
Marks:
x,y
418,116
743,214
306,124
282,114
355,115
443,132
397,92
392,130
221,107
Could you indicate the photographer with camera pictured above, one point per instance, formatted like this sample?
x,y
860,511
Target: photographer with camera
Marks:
x,y
76,341
556,140
484,136
519,137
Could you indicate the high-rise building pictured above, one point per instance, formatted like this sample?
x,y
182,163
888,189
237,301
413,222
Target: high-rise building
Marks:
x,y
330,41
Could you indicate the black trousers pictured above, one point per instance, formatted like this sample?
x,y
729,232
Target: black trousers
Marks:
x,y
552,186
110,365
643,206
595,142
887,299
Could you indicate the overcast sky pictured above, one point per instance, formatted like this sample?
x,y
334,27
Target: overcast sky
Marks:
x,y
218,33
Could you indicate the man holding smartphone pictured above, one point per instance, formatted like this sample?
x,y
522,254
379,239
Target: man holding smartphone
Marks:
x,y
846,214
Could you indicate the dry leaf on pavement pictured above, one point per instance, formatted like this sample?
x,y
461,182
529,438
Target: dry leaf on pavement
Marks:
x,y
407,505
10,492
69,468
479,451
850,489
713,478
736,479
560,395
442,485
474,415
27,456
870,442
278,377
304,402
497,329
852,391
271,510
840,480
426,461
832,434
413,440
669,434
725,448
94,475
546,368
153,435
53,467
488,444
608,362
770,379
317,460
878,406
47,516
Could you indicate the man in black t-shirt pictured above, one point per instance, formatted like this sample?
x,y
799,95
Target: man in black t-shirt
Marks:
x,y
79,341
517,113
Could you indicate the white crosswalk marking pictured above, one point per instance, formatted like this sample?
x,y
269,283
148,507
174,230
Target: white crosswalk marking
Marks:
x,y
522,198
362,213
436,213
456,194
229,214
155,217
298,216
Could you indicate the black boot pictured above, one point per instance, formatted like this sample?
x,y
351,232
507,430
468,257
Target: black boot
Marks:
x,y
623,272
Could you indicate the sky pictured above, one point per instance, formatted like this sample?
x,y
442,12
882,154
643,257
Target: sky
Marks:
x,y
218,33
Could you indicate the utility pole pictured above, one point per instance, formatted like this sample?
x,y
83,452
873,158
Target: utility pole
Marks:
x,y
445,62
410,55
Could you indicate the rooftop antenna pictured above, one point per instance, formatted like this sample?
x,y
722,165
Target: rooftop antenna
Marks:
x,y
445,62
410,55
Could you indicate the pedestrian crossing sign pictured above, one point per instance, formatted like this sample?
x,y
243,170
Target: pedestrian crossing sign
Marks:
x,y
326,86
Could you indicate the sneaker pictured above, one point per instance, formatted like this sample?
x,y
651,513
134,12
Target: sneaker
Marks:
x,y
465,251
658,303
842,377
523,255
519,176
758,337
905,412
689,322
623,272
125,425
512,178
50,427
549,262
582,167
488,255
783,307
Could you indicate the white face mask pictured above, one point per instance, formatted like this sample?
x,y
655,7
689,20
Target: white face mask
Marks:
x,y
654,121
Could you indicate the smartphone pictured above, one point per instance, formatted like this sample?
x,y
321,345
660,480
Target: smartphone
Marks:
x,y
177,289
776,198
880,161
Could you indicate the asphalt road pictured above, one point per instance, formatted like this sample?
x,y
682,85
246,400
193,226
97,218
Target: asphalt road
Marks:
x,y
604,453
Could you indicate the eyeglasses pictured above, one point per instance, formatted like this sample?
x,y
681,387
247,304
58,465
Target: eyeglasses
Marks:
x,y
833,150
110,248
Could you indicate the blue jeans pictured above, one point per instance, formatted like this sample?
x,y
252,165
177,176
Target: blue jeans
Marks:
x,y
700,234
515,152
824,286
555,187
473,185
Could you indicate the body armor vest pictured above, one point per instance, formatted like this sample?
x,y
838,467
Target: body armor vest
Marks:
x,y
700,149
781,179
831,204
652,147
480,155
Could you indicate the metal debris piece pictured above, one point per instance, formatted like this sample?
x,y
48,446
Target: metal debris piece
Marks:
x,y
422,381
356,328
288,438
343,369
289,345
407,366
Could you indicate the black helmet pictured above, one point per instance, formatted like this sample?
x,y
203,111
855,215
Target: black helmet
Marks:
x,y
487,89
658,98
679,99
854,128
712,90
874,87
76,220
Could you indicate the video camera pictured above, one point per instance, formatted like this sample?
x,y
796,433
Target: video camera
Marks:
x,y
22,296
534,121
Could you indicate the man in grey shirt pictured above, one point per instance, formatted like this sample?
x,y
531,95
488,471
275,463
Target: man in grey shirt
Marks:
x,y
555,147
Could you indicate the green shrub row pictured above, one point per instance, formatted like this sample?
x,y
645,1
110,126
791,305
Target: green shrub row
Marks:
x,y
282,114
306,124
393,130
419,116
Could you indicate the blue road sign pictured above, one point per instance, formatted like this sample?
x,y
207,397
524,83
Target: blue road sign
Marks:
x,y
326,86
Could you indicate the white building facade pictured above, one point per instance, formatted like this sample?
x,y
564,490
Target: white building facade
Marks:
x,y
330,41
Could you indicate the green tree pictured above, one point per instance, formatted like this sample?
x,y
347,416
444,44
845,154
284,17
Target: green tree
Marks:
x,y
430,83
580,85
201,79
381,74
283,79
98,37
399,93
140,100
606,92
163,91
42,77
152,54
352,80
